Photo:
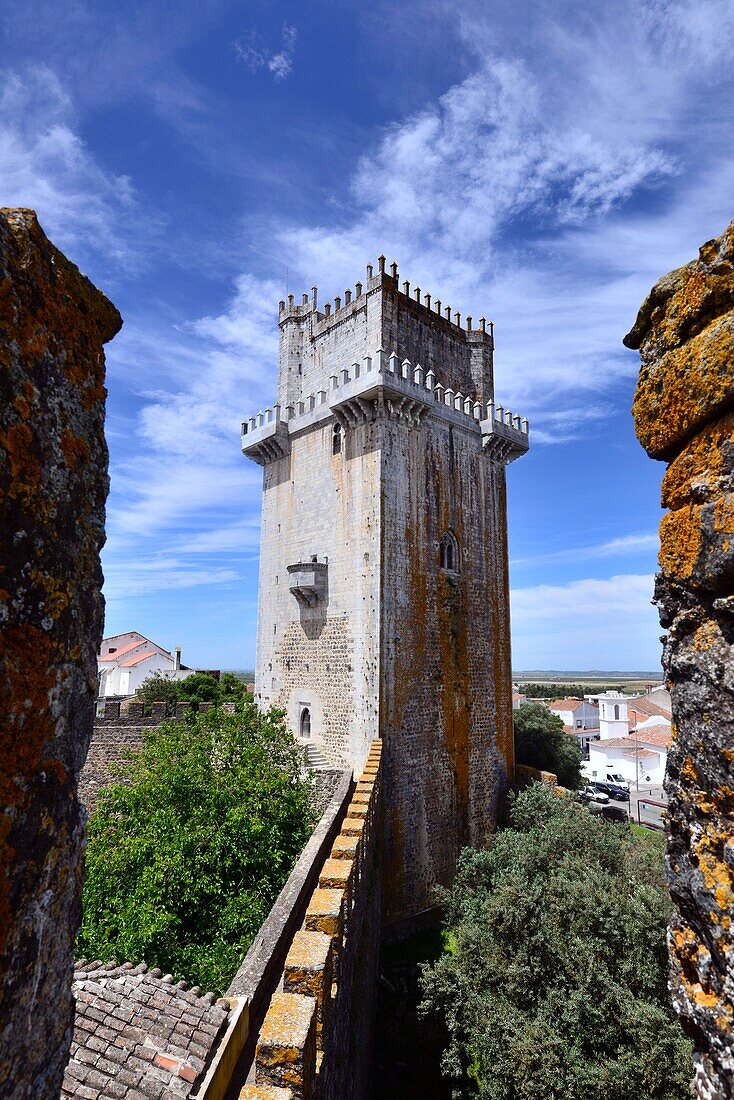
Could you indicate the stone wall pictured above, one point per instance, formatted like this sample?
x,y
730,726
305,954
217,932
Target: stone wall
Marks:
x,y
120,732
445,691
684,413
53,485
316,1038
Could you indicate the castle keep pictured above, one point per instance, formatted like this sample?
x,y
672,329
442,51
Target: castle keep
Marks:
x,y
383,602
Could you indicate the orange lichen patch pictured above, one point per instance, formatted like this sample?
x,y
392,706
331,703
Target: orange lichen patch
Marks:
x,y
324,911
688,386
706,636
286,1050
345,847
724,514
680,542
76,450
702,461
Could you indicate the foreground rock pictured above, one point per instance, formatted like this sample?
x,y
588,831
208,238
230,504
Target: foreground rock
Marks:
x,y
53,485
684,412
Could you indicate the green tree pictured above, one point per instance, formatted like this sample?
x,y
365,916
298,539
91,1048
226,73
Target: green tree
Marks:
x,y
159,689
555,985
199,687
541,742
185,860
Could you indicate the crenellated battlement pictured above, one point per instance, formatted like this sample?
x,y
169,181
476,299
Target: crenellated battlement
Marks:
x,y
383,385
352,301
378,313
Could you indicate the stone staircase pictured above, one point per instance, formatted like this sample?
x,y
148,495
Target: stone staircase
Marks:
x,y
314,757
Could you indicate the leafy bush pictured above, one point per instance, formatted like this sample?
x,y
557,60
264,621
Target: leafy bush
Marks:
x,y
184,863
199,687
555,985
541,742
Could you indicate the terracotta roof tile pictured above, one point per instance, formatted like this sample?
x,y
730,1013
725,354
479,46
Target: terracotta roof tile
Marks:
x,y
565,704
135,1028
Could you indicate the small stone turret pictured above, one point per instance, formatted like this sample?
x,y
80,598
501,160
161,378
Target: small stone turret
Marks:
x,y
684,413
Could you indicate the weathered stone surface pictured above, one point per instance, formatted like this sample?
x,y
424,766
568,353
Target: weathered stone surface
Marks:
x,y
53,485
685,334
683,412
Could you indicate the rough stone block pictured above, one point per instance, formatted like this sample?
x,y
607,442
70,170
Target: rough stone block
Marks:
x,y
337,874
265,1092
309,970
685,332
325,912
286,1050
53,485
345,847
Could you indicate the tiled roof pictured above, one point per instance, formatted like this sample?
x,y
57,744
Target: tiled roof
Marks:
x,y
142,657
138,1035
565,704
627,743
123,650
640,708
655,735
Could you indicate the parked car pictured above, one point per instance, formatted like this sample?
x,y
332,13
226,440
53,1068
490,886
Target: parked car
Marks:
x,y
618,778
619,794
589,793
608,812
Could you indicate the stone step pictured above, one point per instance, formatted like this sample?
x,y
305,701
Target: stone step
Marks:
x,y
315,758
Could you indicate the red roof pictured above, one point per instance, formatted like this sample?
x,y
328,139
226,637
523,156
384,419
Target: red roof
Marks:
x,y
140,657
125,649
628,744
565,704
658,734
640,708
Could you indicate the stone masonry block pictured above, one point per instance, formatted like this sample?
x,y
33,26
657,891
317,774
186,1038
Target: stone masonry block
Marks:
x,y
345,847
265,1092
286,1050
325,912
158,710
337,874
135,709
53,486
309,971
353,826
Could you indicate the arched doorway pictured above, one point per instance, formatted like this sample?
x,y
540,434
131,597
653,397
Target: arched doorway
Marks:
x,y
305,723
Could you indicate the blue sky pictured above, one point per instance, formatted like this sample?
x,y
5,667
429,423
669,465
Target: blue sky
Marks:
x,y
538,163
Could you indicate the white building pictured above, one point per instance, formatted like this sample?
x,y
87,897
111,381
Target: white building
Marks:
x,y
578,714
613,716
641,756
126,660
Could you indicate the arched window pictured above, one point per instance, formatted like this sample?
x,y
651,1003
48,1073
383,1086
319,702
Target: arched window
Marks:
x,y
305,723
616,710
336,440
449,553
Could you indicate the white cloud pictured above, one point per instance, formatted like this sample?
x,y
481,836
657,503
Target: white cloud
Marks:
x,y
251,50
606,623
44,164
613,548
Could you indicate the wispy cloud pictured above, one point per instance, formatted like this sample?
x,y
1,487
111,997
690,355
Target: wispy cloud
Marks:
x,y
589,623
613,548
45,164
256,55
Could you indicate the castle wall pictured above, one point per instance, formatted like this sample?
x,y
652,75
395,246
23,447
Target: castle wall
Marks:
x,y
684,413
325,658
53,486
445,714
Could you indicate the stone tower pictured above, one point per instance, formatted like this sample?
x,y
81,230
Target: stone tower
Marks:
x,y
383,603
